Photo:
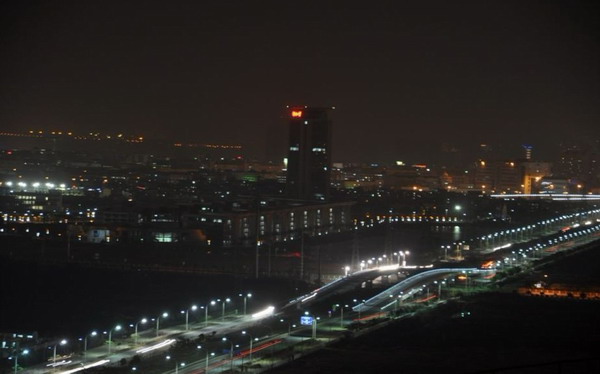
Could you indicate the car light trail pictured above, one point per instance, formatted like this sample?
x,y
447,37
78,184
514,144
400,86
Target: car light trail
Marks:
x,y
388,267
156,346
60,363
502,247
264,313
309,297
84,367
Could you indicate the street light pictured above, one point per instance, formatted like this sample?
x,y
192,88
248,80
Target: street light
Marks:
x,y
404,254
187,312
24,352
251,339
164,315
357,302
62,342
207,357
116,328
85,341
314,325
342,314
224,339
177,364
224,301
247,296
206,312
290,325
142,321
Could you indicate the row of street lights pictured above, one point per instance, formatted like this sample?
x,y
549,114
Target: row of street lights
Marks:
x,y
379,261
144,321
135,326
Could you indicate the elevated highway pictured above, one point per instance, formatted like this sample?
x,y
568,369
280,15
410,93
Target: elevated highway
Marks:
x,y
346,284
409,286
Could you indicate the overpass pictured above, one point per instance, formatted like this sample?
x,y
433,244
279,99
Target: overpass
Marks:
x,y
408,286
347,283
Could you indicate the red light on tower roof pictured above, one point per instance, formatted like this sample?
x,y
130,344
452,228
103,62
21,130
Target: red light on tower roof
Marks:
x,y
296,113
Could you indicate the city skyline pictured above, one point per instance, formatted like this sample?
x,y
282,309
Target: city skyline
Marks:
x,y
269,186
406,79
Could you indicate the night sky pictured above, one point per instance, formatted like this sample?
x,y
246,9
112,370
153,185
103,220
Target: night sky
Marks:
x,y
404,76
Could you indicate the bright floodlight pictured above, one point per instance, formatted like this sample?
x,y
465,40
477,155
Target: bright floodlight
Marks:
x,y
63,342
117,327
165,315
194,307
389,267
264,313
94,333
144,320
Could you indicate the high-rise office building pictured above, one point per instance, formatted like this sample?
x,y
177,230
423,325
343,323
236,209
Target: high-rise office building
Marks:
x,y
309,155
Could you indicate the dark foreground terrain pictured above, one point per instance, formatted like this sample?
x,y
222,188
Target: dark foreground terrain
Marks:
x,y
70,300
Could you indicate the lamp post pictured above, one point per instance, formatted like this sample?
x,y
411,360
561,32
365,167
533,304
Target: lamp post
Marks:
x,y
207,357
116,328
224,339
346,270
314,324
187,313
164,315
230,351
341,306
290,326
85,343
357,302
251,340
24,352
398,300
206,312
440,283
247,296
342,315
223,314
177,364
404,254
62,342
142,321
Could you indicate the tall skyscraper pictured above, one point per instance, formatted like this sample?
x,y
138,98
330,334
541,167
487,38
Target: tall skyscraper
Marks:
x,y
309,155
